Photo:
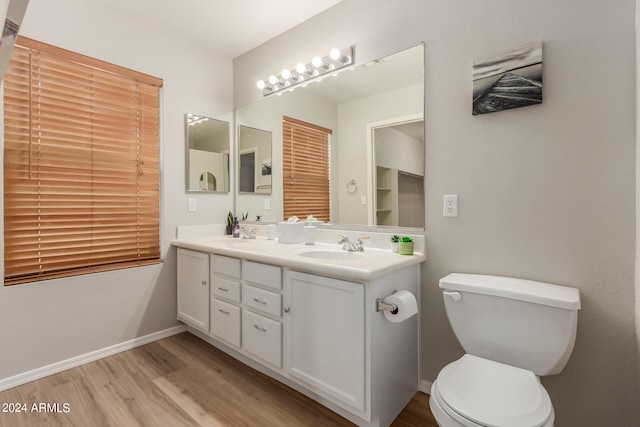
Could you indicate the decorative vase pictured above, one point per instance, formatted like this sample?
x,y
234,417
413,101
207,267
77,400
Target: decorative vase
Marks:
x,y
394,247
405,248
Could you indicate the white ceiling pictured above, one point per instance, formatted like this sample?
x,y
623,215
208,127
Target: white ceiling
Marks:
x,y
227,27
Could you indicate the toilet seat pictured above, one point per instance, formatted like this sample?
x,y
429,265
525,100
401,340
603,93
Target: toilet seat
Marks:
x,y
492,394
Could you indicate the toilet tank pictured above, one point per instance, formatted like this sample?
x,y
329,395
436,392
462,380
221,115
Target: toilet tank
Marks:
x,y
522,323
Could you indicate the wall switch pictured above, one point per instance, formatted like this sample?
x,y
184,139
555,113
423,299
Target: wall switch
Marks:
x,y
450,205
363,200
192,206
267,204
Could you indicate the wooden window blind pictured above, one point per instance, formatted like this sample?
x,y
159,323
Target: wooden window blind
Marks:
x,y
305,169
81,165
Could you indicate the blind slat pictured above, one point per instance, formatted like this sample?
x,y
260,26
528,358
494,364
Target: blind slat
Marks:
x,y
306,176
81,165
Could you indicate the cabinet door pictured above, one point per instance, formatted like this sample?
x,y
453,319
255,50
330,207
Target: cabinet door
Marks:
x,y
193,288
324,338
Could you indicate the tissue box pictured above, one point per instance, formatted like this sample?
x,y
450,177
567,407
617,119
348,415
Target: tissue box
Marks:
x,y
290,232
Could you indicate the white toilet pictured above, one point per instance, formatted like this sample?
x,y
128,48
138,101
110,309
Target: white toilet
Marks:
x,y
513,332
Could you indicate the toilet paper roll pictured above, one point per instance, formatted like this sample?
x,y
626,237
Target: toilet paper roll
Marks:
x,y
406,303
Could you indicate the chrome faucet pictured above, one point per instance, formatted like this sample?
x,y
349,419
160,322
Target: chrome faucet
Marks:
x,y
349,246
248,234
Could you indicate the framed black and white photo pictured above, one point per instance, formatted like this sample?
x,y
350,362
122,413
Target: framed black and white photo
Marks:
x,y
508,79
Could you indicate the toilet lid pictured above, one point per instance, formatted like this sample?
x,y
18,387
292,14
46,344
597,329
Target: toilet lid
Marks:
x,y
494,394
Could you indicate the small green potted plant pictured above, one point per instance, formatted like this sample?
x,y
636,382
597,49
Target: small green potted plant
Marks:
x,y
395,239
406,246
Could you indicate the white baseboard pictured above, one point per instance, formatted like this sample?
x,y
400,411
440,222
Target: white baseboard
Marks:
x,y
63,365
425,386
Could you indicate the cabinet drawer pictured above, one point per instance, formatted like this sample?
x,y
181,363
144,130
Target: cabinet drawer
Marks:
x,y
262,300
262,337
224,288
225,321
225,265
269,276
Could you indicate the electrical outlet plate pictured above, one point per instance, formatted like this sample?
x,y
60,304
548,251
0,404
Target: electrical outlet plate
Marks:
x,y
192,205
450,205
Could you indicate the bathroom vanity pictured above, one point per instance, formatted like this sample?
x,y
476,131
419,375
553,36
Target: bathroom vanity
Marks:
x,y
306,315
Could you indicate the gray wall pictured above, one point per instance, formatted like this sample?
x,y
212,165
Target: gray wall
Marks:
x,y
545,192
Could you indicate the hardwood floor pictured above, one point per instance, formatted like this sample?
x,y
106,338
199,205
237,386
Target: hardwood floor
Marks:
x,y
177,381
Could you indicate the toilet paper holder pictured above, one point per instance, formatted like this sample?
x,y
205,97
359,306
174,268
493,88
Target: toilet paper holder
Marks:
x,y
382,306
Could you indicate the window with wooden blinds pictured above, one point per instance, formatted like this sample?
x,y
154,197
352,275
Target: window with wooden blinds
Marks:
x,y
305,169
81,165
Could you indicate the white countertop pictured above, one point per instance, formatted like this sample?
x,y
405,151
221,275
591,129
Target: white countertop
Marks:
x,y
356,266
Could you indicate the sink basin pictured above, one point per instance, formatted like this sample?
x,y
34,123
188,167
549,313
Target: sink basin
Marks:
x,y
329,254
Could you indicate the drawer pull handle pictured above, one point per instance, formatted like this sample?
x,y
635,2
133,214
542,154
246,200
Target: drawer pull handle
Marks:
x,y
220,288
223,311
260,328
259,301
204,283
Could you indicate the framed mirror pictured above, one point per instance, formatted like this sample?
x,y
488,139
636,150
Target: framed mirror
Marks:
x,y
375,117
207,154
254,160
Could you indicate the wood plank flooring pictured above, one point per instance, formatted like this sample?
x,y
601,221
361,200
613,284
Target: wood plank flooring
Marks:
x,y
174,382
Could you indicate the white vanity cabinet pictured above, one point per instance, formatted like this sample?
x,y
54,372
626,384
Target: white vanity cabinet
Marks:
x,y
320,335
324,339
193,288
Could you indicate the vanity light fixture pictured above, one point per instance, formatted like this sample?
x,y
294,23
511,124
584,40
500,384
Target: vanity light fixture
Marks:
x,y
304,73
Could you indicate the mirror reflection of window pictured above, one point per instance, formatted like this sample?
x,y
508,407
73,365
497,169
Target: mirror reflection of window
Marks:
x,y
305,169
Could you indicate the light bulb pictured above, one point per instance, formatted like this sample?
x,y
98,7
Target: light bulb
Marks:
x,y
273,80
335,54
286,74
317,61
261,84
301,68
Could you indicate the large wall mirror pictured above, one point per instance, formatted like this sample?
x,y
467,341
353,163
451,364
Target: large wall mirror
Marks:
x,y
376,116
207,154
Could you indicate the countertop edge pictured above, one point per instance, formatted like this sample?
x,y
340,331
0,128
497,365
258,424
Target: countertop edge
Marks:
x,y
305,264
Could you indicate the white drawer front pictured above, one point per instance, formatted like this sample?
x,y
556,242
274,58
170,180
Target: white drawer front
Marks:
x,y
262,337
269,276
225,265
224,288
262,300
225,321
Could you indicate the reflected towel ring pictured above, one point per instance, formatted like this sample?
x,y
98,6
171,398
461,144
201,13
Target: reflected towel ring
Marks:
x,y
352,187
